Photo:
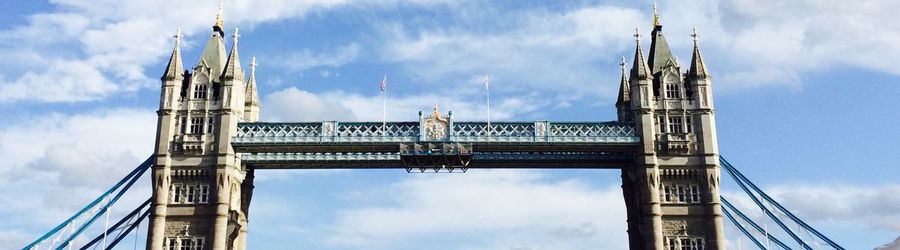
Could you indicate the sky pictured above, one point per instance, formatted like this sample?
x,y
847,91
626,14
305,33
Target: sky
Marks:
x,y
805,95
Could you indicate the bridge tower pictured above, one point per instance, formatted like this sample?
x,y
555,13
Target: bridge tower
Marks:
x,y
201,192
672,190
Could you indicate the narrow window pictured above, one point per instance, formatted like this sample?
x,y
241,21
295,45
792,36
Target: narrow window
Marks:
x,y
689,121
183,125
661,122
199,244
695,193
672,244
204,194
196,125
200,91
191,193
176,193
681,196
698,244
187,244
668,193
173,244
675,125
210,124
686,244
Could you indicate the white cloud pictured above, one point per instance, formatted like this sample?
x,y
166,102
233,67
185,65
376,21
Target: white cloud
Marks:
x,y
114,41
293,104
538,51
479,205
56,163
301,61
834,208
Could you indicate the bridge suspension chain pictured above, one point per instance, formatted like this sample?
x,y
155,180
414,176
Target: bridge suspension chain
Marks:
x,y
728,208
90,213
746,185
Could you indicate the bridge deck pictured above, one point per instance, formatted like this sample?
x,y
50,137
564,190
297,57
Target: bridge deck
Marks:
x,y
405,144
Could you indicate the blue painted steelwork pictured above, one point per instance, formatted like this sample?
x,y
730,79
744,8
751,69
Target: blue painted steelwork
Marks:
x,y
118,226
753,224
743,230
764,208
130,178
463,132
740,178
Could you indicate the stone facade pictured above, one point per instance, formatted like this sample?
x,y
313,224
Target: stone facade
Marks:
x,y
672,190
201,192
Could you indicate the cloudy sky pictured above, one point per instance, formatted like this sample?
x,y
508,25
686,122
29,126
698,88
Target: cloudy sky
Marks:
x,y
806,94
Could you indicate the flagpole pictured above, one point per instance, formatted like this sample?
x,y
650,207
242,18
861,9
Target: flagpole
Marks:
x,y
487,88
384,105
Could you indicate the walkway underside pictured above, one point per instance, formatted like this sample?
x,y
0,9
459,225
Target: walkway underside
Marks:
x,y
435,155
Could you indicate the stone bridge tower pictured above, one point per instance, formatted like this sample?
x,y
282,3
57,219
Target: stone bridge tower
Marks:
x,y
672,190
201,193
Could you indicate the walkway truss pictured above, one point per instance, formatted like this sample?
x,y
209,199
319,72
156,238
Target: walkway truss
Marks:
x,y
457,147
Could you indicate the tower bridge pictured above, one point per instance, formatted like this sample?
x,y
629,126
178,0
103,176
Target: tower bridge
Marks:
x,y
210,142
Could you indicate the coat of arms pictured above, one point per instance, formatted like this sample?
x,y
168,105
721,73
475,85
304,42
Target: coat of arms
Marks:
x,y
436,125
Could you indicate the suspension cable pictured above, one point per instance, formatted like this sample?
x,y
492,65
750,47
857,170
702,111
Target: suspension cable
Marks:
x,y
743,230
732,170
90,206
752,224
766,210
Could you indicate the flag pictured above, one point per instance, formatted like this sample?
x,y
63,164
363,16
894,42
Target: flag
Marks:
x,y
486,82
384,83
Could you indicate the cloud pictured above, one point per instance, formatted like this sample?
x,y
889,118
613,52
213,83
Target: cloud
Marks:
x,y
293,104
301,61
481,205
870,208
99,48
56,163
533,50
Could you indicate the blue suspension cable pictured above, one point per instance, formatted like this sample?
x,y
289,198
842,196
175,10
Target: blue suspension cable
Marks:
x,y
784,210
146,165
765,209
753,224
128,230
117,225
89,206
743,230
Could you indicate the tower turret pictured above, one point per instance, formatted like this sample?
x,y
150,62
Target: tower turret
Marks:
x,y
623,104
251,97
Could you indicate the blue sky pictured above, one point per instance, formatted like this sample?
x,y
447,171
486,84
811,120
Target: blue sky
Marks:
x,y
805,91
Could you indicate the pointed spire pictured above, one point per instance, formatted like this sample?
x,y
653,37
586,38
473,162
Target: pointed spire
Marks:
x,y
698,68
218,27
639,68
233,65
655,15
251,97
624,92
174,69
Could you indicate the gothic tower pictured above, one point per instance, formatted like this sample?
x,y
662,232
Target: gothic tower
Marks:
x,y
201,192
672,190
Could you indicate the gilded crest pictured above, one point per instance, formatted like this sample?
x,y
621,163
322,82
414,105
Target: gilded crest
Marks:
x,y
436,125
